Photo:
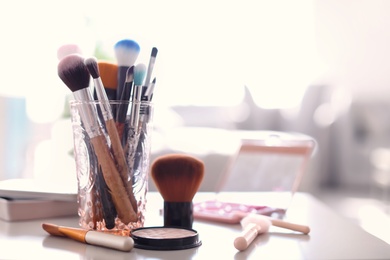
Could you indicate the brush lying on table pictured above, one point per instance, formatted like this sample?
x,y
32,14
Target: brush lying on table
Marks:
x,y
90,237
254,224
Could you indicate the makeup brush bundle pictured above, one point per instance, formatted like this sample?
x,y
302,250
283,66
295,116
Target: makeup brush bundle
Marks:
x,y
110,121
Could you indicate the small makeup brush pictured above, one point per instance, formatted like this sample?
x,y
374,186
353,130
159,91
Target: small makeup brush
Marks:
x,y
74,73
66,49
150,90
254,224
121,113
119,156
139,76
132,139
126,53
152,61
177,178
109,75
108,208
122,243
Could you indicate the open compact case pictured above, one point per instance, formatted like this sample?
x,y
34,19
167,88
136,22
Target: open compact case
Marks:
x,y
267,162
165,238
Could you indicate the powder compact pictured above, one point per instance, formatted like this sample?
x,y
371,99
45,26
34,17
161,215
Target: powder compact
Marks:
x,y
165,238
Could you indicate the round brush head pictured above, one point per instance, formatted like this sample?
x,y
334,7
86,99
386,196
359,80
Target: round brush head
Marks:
x,y
177,176
262,223
139,74
67,49
73,72
126,52
92,66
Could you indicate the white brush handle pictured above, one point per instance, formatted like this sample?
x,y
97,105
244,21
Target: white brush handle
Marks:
x,y
291,226
246,237
117,242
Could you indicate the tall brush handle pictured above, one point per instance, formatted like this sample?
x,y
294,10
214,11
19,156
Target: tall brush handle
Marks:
x,y
246,237
114,182
121,161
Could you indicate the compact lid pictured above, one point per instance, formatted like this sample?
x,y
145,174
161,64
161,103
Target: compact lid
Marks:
x,y
165,238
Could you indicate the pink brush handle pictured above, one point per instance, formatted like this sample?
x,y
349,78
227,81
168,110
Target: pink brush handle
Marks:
x,y
246,237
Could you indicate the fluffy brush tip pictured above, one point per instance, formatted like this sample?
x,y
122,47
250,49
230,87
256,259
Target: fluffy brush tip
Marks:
x,y
73,72
126,52
92,66
177,176
67,49
139,74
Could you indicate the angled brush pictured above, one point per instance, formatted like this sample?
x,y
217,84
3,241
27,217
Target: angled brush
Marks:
x,y
126,53
74,73
177,178
108,74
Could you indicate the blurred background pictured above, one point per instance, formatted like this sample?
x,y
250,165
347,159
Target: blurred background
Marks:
x,y
317,67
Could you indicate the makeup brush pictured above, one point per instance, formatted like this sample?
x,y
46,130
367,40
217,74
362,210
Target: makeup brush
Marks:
x,y
108,208
109,76
177,177
150,90
122,243
126,53
121,113
66,49
132,140
236,217
74,73
139,76
152,61
119,156
254,224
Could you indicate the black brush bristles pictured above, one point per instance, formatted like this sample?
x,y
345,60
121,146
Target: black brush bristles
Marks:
x,y
154,52
92,66
73,72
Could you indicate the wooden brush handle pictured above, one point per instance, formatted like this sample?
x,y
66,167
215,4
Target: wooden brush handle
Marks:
x,y
246,237
121,161
291,226
114,182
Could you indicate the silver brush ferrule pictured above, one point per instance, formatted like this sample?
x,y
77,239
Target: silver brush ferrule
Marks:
x,y
88,112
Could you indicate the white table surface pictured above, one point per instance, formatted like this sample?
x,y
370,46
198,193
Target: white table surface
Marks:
x,y
331,237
